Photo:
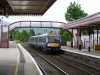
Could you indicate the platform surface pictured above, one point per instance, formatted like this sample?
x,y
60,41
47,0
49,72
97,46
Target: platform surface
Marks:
x,y
17,61
92,52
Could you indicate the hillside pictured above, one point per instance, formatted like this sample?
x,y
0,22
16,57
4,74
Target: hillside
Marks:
x,y
37,30
40,30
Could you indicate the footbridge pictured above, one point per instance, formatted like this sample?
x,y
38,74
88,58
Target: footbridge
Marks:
x,y
5,30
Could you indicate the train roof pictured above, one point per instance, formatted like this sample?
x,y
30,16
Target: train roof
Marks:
x,y
44,35
33,36
48,34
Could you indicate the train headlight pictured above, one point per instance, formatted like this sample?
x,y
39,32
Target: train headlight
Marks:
x,y
48,45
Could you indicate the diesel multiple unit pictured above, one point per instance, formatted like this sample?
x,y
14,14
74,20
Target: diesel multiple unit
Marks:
x,y
48,42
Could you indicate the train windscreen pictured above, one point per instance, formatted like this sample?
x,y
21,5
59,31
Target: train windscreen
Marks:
x,y
53,39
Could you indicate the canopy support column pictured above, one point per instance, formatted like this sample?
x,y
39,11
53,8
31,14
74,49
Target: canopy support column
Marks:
x,y
89,32
93,39
72,39
77,39
80,39
97,36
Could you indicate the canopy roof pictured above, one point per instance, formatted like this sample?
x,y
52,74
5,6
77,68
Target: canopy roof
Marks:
x,y
25,7
92,21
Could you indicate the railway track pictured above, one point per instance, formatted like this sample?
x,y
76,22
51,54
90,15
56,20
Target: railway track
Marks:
x,y
49,68
64,65
91,70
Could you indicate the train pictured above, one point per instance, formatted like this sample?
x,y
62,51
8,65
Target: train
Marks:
x,y
50,42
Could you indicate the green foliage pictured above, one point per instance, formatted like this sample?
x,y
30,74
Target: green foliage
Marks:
x,y
38,34
85,32
32,32
25,35
74,12
12,35
20,36
65,36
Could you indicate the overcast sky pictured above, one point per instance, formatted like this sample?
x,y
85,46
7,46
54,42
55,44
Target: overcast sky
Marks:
x,y
57,10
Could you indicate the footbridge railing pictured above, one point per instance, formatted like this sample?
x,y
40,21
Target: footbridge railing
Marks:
x,y
35,24
29,24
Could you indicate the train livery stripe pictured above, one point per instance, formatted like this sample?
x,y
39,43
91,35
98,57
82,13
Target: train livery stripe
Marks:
x,y
53,35
53,44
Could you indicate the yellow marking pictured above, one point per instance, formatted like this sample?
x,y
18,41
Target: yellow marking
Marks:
x,y
53,44
16,71
53,34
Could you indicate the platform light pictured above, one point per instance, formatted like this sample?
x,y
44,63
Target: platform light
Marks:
x,y
0,21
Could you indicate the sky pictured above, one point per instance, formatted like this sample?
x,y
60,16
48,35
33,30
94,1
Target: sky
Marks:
x,y
57,11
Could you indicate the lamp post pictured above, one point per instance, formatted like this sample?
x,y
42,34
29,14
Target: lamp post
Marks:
x,y
1,28
0,21
0,33
1,24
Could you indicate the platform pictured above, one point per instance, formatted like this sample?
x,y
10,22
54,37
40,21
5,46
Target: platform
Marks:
x,y
93,56
17,61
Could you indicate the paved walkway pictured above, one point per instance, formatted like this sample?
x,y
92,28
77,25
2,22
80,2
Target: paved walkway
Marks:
x,y
17,61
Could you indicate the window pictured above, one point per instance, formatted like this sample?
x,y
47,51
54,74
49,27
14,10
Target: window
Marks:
x,y
53,39
44,39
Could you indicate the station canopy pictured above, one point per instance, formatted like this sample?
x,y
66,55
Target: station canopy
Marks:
x,y
89,22
24,7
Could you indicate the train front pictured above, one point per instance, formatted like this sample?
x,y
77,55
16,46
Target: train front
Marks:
x,y
54,43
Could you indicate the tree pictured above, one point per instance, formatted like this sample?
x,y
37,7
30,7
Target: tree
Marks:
x,y
13,35
85,32
38,34
25,35
65,36
19,36
32,32
74,12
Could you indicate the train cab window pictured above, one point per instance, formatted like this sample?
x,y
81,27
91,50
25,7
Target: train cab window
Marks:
x,y
44,39
53,39
33,40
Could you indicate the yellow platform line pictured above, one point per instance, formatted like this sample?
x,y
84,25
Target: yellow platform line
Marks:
x,y
18,57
